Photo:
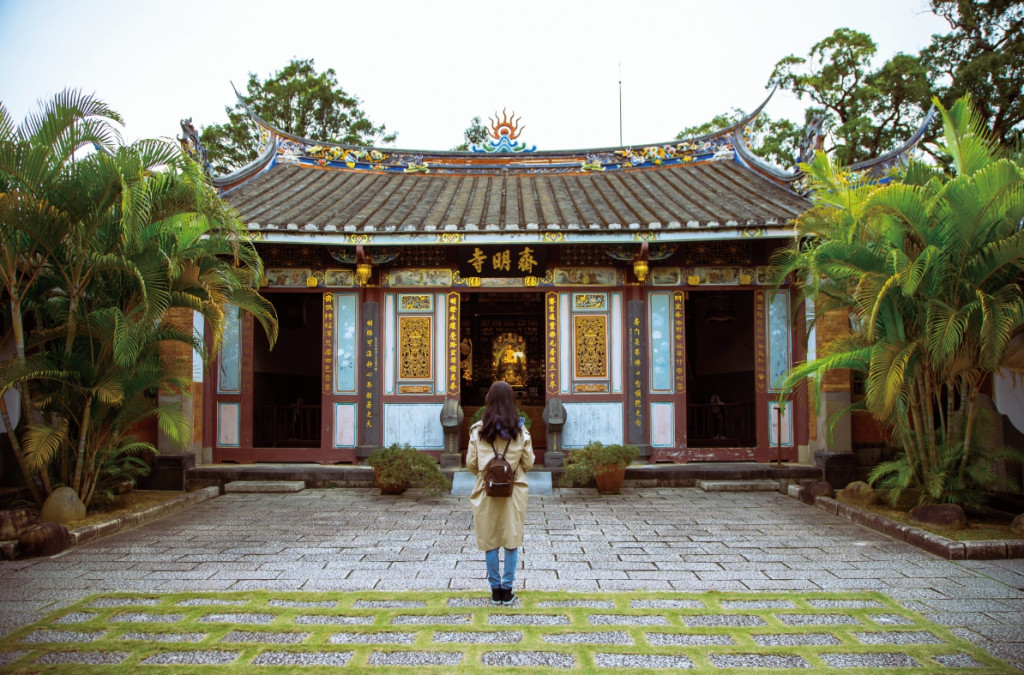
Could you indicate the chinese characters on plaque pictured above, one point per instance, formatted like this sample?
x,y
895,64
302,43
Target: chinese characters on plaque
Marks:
x,y
502,261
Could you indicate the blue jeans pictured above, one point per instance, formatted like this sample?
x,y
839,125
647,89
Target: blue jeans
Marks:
x,y
511,560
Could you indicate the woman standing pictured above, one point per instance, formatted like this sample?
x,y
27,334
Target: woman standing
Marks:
x,y
499,521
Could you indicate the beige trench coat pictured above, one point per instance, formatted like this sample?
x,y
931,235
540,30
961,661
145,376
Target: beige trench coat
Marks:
x,y
499,521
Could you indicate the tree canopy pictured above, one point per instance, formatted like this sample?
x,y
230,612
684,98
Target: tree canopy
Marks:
x,y
868,111
983,56
475,134
298,100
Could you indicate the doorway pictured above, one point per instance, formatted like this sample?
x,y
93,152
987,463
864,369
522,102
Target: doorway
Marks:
x,y
502,338
720,369
286,381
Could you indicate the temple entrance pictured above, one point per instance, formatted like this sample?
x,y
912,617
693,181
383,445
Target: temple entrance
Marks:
x,y
502,338
720,369
286,381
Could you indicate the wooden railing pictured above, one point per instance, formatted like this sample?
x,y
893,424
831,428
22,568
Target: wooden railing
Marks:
x,y
727,424
292,425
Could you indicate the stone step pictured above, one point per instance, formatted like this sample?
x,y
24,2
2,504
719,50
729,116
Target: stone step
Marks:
x,y
463,483
739,485
258,486
539,482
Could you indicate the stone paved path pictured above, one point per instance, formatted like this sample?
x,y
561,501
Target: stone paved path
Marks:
x,y
646,538
791,631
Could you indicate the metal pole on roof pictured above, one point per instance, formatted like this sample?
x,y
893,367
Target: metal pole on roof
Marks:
x,y
620,102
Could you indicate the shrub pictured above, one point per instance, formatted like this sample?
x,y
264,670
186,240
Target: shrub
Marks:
x,y
405,465
582,466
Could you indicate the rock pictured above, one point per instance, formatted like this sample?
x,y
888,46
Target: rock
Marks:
x,y
43,539
15,521
821,488
1018,524
858,493
948,516
907,500
62,506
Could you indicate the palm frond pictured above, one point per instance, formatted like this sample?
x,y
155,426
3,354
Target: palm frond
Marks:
x,y
967,139
42,443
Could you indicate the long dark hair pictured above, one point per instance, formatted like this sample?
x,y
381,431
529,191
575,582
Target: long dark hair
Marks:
x,y
501,414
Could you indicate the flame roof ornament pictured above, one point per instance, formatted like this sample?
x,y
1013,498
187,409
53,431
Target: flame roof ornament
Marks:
x,y
504,131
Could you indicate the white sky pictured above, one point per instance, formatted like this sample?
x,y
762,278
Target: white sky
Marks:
x,y
426,68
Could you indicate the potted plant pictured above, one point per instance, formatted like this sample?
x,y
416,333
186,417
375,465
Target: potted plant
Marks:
x,y
605,464
397,467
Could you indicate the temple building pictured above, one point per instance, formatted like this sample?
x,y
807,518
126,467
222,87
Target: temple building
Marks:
x,y
624,293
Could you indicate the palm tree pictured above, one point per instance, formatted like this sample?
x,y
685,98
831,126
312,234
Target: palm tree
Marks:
x,y
930,266
104,245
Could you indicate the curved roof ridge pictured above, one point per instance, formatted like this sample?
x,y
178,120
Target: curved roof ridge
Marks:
x,y
459,153
898,153
769,170
752,161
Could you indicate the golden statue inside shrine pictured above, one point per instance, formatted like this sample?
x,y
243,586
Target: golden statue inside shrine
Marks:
x,y
509,359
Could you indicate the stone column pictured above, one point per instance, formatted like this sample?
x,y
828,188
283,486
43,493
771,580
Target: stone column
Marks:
x,y
451,421
554,419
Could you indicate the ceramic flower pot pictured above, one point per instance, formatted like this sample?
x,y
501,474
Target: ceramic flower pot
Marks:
x,y
389,488
609,477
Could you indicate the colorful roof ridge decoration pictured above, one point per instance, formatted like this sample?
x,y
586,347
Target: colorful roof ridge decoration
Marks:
x,y
706,188
504,132
504,155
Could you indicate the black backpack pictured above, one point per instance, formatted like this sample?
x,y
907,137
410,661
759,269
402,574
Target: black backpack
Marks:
x,y
498,476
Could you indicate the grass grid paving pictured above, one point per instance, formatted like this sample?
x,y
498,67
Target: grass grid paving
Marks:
x,y
542,632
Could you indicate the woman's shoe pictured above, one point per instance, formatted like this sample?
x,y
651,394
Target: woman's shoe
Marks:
x,y
497,595
508,596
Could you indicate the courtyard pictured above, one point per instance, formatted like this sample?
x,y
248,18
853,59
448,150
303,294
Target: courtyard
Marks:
x,y
681,551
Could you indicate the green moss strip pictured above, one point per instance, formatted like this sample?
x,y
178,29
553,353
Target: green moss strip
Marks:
x,y
460,632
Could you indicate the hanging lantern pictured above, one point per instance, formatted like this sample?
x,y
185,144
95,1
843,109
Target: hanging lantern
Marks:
x,y
640,266
640,269
363,273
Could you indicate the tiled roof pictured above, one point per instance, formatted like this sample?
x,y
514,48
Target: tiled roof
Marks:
x,y
671,199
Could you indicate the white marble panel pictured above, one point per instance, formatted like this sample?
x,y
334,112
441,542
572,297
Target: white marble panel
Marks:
x,y
662,425
418,424
586,422
785,420
344,425
229,424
